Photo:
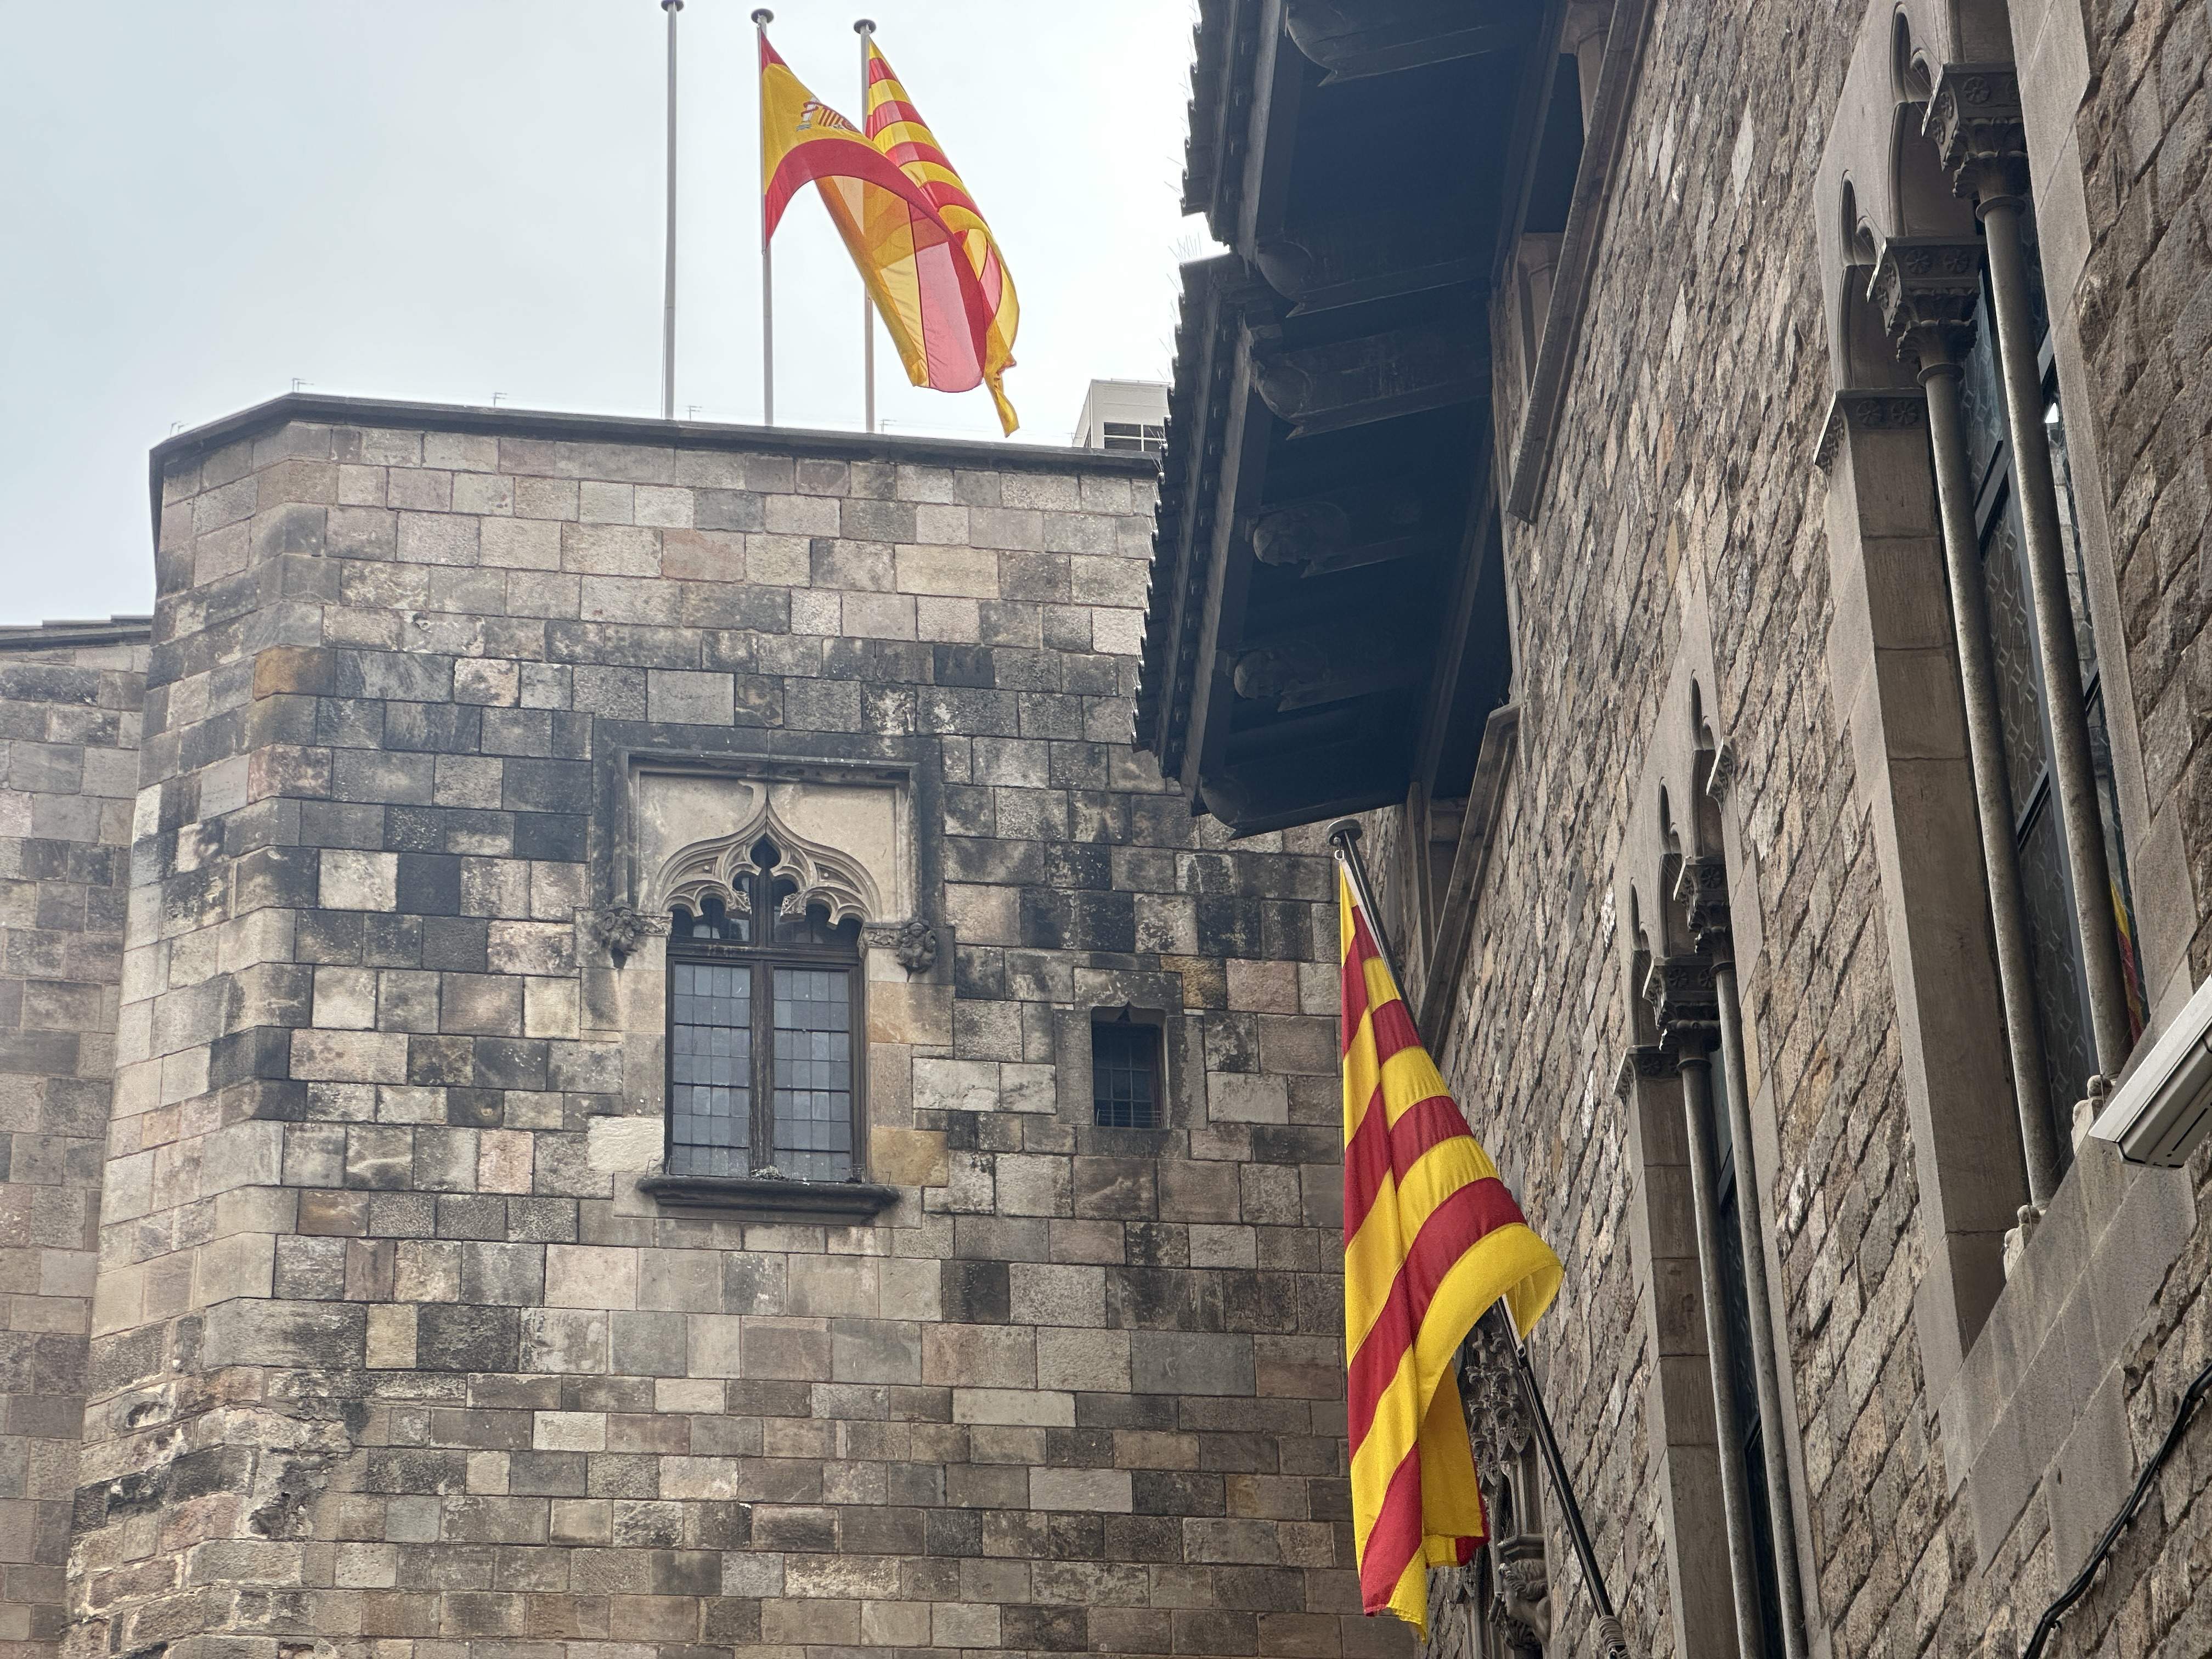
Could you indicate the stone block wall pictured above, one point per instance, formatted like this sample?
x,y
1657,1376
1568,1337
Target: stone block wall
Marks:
x,y
1682,516
389,1345
68,769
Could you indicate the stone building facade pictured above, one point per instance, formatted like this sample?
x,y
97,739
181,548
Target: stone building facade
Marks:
x,y
669,1079
1823,818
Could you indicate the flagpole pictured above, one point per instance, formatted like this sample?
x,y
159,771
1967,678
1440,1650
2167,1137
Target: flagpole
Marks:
x,y
865,28
762,19
668,260
1612,1639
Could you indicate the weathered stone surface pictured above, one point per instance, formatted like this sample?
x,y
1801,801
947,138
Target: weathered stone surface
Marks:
x,y
384,1321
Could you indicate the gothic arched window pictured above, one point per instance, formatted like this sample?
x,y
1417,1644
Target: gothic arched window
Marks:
x,y
764,1015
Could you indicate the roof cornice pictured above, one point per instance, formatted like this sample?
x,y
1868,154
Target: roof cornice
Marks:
x,y
322,409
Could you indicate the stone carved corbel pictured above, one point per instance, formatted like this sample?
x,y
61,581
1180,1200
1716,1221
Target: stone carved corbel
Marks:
x,y
619,929
916,949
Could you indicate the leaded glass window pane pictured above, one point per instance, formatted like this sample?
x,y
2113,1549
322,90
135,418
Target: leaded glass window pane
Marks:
x,y
762,1000
814,1073
709,1068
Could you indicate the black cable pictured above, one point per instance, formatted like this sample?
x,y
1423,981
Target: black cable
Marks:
x,y
2074,1592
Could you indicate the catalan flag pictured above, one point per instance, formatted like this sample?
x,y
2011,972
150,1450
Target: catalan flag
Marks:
x,y
916,266
1431,1238
896,128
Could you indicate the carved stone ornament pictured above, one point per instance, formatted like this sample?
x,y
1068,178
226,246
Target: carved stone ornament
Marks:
x,y
1850,411
1650,1062
619,930
1684,999
1701,889
1498,1421
1974,120
916,949
720,869
1926,288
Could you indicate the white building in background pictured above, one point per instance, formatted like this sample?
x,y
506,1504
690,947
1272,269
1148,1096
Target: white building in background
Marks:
x,y
1123,415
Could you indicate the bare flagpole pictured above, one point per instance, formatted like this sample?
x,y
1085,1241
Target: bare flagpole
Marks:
x,y
668,261
762,19
864,28
1613,1640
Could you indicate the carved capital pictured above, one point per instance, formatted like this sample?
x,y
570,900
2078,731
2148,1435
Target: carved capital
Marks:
x,y
1685,1001
1652,1062
1849,412
1926,288
1975,122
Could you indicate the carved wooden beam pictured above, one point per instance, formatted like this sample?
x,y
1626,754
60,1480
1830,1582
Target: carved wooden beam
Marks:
x,y
1305,785
1344,531
1349,383
1350,38
1331,663
1373,257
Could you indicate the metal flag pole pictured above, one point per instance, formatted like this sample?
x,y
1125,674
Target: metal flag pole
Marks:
x,y
1612,1639
668,259
865,27
762,19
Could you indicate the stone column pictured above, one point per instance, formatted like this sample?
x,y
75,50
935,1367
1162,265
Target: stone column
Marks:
x,y
1703,890
1927,290
1680,989
1975,119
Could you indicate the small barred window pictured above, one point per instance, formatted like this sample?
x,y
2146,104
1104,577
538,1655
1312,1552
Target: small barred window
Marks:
x,y
1125,1073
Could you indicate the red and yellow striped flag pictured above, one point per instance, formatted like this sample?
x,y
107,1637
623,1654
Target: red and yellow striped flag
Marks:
x,y
1431,1238
917,267
896,128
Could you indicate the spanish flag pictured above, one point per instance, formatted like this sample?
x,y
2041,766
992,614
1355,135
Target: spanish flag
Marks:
x,y
1431,1238
896,128
916,266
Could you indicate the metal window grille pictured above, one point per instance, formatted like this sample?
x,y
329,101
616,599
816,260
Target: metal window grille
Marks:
x,y
1125,1075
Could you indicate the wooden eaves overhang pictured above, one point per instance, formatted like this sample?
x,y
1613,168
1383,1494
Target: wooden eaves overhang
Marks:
x,y
1327,619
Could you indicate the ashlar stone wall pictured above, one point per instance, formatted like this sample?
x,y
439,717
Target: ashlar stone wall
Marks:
x,y
389,1345
68,769
1682,523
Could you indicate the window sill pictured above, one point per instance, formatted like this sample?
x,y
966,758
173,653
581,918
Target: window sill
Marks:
x,y
846,1203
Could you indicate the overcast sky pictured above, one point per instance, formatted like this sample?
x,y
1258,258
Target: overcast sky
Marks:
x,y
446,199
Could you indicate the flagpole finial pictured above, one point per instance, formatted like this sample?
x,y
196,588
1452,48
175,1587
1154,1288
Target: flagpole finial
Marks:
x,y
1343,829
671,5
762,17
864,25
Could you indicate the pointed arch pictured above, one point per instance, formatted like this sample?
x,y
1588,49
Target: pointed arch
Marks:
x,y
719,869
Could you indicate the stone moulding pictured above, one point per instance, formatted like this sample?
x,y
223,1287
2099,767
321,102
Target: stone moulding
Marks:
x,y
718,869
834,1203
